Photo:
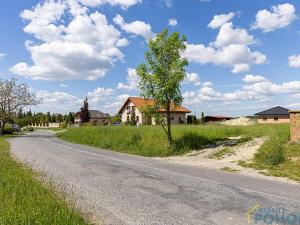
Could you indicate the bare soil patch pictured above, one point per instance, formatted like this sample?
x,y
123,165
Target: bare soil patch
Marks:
x,y
225,156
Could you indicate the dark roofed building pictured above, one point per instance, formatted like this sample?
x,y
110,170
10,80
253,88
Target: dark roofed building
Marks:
x,y
96,117
277,114
212,119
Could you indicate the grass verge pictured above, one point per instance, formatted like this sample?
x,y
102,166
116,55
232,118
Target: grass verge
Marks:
x,y
276,156
222,153
151,140
229,169
289,167
25,200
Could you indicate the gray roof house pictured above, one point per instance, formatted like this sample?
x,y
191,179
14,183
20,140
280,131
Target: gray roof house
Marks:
x,y
277,114
96,117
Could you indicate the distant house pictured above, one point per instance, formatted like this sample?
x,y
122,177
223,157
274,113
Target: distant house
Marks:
x,y
134,107
96,117
211,119
277,114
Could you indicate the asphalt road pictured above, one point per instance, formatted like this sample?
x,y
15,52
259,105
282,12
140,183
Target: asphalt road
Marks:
x,y
125,189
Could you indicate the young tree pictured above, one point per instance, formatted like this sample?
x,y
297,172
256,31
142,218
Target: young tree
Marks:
x,y
70,118
162,74
202,117
84,112
13,97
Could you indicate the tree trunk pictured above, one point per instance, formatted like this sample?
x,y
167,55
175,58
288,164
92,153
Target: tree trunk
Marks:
x,y
169,125
2,124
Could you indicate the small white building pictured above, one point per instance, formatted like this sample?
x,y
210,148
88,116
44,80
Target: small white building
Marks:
x,y
134,107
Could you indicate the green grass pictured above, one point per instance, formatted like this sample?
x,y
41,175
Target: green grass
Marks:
x,y
229,169
289,168
275,156
222,153
151,140
24,199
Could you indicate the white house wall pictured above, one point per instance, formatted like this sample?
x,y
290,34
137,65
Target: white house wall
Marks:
x,y
144,120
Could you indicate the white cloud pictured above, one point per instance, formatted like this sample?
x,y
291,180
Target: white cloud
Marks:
x,y
172,22
122,98
228,35
240,57
137,27
189,94
230,48
100,94
125,4
106,100
294,61
122,42
103,99
219,20
64,85
249,78
2,55
295,96
85,48
58,102
132,80
192,78
280,16
255,88
168,3
239,68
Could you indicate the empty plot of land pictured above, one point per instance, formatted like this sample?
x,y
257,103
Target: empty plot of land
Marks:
x,y
125,189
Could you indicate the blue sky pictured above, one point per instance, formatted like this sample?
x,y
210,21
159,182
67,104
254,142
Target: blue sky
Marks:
x,y
244,56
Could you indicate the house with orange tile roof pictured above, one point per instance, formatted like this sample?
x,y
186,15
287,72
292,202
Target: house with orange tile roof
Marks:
x,y
134,106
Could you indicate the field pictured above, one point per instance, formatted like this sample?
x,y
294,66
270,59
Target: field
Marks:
x,y
276,155
151,140
25,200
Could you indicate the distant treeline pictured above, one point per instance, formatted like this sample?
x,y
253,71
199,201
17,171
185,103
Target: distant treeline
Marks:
x,y
27,118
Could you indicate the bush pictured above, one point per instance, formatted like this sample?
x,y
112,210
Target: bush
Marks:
x,y
135,139
63,125
190,141
271,155
27,129
191,119
8,129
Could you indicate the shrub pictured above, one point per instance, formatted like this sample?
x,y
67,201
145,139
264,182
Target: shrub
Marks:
x,y
27,129
271,155
8,129
63,124
190,141
191,119
135,139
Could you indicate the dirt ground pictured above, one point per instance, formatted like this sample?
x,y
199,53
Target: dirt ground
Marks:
x,y
225,156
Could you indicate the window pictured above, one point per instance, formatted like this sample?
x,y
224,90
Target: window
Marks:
x,y
275,118
265,119
172,118
180,120
133,108
128,107
137,119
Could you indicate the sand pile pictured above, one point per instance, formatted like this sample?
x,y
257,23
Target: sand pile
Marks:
x,y
242,121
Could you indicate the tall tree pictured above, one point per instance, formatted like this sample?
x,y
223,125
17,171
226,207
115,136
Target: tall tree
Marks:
x,y
13,97
163,72
84,111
